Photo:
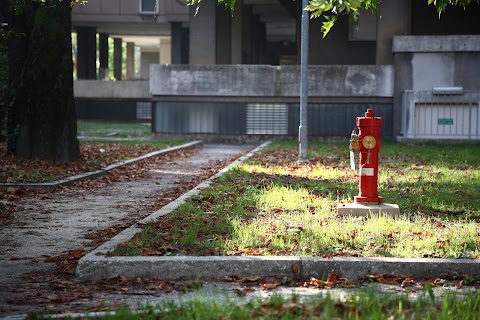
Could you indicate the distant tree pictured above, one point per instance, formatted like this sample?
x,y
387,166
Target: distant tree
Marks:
x,y
41,119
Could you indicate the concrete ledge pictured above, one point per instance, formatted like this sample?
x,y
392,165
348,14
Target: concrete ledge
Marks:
x,y
456,43
359,209
261,81
98,173
185,268
353,268
215,267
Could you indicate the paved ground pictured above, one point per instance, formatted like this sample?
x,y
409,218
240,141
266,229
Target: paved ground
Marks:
x,y
53,223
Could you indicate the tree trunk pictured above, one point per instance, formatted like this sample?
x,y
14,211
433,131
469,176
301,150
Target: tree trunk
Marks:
x,y
43,120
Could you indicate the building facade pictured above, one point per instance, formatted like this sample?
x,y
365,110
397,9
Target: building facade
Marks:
x,y
413,48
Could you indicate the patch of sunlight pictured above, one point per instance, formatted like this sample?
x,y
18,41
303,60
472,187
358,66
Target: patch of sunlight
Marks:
x,y
285,198
327,173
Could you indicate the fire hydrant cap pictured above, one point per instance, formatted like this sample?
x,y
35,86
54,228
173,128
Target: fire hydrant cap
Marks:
x,y
369,113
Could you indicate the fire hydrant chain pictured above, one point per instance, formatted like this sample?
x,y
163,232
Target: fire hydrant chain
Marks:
x,y
367,160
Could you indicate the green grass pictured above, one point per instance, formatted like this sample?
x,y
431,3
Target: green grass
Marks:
x,y
114,129
365,304
272,206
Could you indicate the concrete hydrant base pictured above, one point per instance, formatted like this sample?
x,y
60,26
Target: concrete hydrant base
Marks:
x,y
360,209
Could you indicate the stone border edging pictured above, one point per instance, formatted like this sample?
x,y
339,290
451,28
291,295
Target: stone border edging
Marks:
x,y
96,265
98,173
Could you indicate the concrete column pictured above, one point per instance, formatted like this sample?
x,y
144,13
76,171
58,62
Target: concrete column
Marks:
x,y
176,42
247,31
179,43
237,31
103,55
165,51
146,59
203,33
185,45
259,41
223,36
394,20
86,53
117,58
130,60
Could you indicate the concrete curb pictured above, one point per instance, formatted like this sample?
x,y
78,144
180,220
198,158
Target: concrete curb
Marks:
x,y
97,265
98,173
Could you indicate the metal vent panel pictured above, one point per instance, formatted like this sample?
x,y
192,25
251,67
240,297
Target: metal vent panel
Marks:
x,y
263,118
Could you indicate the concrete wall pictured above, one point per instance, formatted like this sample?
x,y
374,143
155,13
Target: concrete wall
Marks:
x,y
227,99
425,62
270,81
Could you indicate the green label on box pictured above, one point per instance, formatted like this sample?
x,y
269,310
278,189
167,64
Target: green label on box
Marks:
x,y
445,121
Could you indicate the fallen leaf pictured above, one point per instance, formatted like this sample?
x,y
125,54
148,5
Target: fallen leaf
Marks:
x,y
241,279
269,282
315,282
242,292
296,269
459,284
407,282
332,278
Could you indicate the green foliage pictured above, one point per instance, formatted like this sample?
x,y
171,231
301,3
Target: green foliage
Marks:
x,y
442,5
331,9
229,4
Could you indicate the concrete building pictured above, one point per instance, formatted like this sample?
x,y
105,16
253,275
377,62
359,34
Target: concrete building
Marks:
x,y
380,63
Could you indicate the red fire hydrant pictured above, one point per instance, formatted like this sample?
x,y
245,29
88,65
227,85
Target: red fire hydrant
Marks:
x,y
369,145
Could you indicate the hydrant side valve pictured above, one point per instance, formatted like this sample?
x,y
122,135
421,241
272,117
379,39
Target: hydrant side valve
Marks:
x,y
353,149
369,145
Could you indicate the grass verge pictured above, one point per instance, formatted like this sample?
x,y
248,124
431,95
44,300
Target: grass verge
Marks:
x,y
114,129
272,206
369,304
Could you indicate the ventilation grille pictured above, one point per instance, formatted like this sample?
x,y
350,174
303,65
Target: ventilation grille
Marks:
x,y
144,110
267,118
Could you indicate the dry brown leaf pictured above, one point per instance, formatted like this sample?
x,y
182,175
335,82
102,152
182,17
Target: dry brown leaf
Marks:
x,y
242,292
459,285
269,282
407,282
296,269
332,278
315,282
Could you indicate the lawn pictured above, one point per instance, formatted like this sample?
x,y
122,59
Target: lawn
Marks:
x,y
114,129
270,205
359,304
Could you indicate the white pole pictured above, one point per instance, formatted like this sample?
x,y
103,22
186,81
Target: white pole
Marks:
x,y
303,128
